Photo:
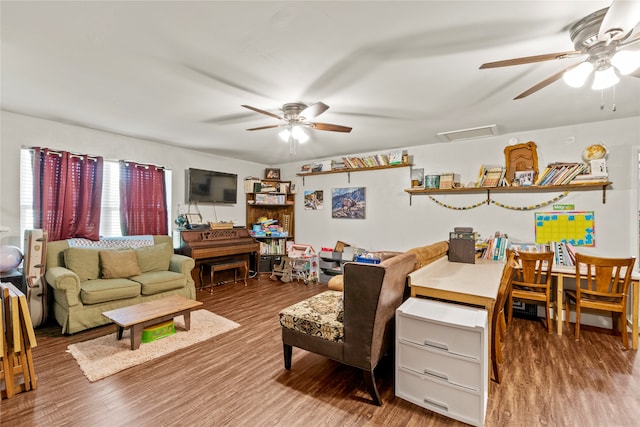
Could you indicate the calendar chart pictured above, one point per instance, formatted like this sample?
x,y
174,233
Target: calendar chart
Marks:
x,y
577,228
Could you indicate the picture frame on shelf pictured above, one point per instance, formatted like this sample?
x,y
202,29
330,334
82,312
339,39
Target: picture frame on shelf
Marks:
x,y
523,178
271,173
417,177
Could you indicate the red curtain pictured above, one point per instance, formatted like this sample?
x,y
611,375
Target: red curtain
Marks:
x,y
67,194
143,201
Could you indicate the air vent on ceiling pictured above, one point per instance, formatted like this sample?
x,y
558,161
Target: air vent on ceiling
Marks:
x,y
479,132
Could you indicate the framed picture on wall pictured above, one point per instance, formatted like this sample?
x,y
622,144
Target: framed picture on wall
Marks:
x,y
348,203
271,173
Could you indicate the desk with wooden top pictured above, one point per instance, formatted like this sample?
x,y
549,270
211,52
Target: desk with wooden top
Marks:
x,y
562,271
474,284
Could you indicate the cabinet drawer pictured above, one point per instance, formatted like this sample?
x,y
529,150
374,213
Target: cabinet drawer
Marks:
x,y
448,338
453,369
448,400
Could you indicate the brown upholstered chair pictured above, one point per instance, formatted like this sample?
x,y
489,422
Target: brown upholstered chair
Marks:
x,y
356,326
497,319
532,282
601,284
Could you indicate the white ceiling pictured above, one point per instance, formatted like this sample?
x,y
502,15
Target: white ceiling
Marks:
x,y
397,72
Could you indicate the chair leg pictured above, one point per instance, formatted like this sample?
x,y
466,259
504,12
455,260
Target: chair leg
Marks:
x,y
577,321
549,323
622,326
510,309
370,381
287,351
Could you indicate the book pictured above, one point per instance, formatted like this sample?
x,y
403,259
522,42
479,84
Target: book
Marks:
x,y
446,181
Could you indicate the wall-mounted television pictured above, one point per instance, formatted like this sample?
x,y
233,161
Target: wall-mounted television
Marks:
x,y
205,186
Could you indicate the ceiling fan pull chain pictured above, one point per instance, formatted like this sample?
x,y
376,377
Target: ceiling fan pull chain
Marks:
x,y
601,99
613,107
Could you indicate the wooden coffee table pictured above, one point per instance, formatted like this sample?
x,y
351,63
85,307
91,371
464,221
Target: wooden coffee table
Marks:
x,y
137,317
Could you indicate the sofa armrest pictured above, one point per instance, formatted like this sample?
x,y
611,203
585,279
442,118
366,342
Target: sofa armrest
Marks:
x,y
183,264
64,282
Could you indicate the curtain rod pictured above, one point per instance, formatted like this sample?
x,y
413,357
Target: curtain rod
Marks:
x,y
55,151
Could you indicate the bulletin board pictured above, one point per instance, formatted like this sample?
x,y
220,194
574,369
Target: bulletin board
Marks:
x,y
575,227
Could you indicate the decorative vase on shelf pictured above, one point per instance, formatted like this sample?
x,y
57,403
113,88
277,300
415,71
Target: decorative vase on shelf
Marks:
x,y
10,258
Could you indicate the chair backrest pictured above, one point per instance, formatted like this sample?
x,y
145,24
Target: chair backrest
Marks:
x,y
599,278
503,290
372,293
534,270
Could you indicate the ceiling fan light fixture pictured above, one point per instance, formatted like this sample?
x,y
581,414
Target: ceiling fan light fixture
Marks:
x,y
299,134
576,76
626,61
285,134
605,78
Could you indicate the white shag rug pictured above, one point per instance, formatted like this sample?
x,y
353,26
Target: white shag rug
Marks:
x,y
100,357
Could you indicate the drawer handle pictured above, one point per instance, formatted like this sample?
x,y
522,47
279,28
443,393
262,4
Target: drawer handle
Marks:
x,y
436,374
436,404
438,345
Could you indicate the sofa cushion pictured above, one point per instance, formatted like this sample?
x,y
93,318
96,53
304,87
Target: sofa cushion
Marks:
x,y
155,282
154,258
116,264
316,316
104,290
429,253
84,262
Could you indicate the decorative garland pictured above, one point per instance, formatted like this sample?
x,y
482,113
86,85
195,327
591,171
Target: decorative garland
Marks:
x,y
515,208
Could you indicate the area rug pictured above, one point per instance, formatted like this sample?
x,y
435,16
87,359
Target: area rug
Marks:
x,y
100,357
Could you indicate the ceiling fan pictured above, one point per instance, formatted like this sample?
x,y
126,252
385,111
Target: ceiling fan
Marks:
x,y
603,36
296,114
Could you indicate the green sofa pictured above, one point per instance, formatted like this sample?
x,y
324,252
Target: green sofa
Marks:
x,y
89,281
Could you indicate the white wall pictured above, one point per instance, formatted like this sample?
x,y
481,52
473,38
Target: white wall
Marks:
x,y
19,130
391,224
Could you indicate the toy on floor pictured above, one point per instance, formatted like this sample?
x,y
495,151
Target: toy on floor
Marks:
x,y
284,270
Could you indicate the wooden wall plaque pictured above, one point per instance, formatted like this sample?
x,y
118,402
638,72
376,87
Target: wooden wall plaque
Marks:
x,y
521,157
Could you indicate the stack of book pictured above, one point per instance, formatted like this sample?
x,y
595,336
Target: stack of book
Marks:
x,y
564,252
495,248
560,173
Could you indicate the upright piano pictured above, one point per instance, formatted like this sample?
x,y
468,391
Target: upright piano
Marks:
x,y
219,246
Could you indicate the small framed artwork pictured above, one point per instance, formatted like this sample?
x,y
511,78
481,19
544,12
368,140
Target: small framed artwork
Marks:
x,y
348,203
193,218
314,200
523,178
270,173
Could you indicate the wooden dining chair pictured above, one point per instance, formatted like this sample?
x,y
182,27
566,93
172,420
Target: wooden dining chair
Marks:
x,y
497,319
532,282
601,284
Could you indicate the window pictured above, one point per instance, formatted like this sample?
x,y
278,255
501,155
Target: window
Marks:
x,y
110,214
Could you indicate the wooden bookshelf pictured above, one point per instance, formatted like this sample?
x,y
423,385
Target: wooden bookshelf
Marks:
x,y
582,186
349,170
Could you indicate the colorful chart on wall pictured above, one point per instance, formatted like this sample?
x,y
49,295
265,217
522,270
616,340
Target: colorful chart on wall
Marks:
x,y
575,227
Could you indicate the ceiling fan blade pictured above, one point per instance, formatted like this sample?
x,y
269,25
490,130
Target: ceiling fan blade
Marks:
x,y
531,59
266,127
257,110
314,110
619,20
546,82
329,127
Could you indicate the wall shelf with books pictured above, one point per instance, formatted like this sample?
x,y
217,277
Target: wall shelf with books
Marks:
x,y
581,186
349,170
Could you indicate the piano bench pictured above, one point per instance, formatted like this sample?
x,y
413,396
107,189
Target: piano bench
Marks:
x,y
212,267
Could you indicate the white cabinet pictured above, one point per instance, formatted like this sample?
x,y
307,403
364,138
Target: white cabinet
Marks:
x,y
442,358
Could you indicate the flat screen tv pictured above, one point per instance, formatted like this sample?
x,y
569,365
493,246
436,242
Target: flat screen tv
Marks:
x,y
205,186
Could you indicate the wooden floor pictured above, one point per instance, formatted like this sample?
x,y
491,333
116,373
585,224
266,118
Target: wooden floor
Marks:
x,y
238,379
